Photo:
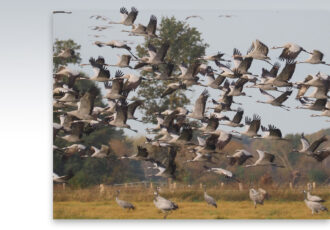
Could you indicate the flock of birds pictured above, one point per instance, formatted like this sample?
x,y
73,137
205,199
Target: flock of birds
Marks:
x,y
78,116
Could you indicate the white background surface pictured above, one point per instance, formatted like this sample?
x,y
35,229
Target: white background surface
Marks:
x,y
25,92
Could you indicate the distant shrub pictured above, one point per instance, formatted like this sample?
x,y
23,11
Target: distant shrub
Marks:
x,y
317,175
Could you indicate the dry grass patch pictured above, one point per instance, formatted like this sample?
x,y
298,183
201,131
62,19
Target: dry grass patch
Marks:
x,y
187,210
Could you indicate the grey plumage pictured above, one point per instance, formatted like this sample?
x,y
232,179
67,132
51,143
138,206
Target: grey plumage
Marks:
x,y
209,199
257,196
163,204
124,204
315,207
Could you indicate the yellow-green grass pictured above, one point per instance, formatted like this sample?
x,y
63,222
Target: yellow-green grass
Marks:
x,y
187,210
195,194
90,203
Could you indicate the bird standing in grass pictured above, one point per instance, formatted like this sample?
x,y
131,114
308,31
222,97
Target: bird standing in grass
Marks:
x,y
124,204
163,204
209,199
257,196
314,206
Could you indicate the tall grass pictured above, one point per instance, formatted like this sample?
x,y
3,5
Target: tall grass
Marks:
x,y
187,210
187,194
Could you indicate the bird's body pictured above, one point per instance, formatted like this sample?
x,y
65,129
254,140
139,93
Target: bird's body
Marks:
x,y
167,167
73,149
85,106
172,87
100,153
315,58
115,44
123,61
317,105
101,73
127,18
239,157
155,56
315,207
257,196
307,148
313,198
124,204
141,30
236,121
272,133
142,154
252,126
265,159
200,105
278,100
258,50
282,79
163,204
221,171
66,53
209,199
290,51
62,179
320,92
318,80
119,118
76,132
116,89
313,203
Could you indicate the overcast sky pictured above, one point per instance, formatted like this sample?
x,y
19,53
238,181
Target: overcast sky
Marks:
x,y
273,27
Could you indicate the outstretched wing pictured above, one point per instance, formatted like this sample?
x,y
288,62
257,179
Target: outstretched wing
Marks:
x,y
321,154
87,102
238,116
245,65
264,92
162,51
152,25
132,107
304,142
200,103
273,131
223,140
284,96
287,72
255,124
77,128
129,20
317,143
261,47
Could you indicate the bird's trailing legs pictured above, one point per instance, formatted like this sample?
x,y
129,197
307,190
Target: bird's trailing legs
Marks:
x,y
268,62
132,54
285,107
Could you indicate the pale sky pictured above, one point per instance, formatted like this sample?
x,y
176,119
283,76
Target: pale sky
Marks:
x,y
273,27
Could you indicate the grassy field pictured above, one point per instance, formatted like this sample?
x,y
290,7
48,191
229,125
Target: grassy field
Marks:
x,y
232,204
187,210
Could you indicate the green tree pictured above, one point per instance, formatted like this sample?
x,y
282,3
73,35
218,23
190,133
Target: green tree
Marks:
x,y
186,45
60,45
